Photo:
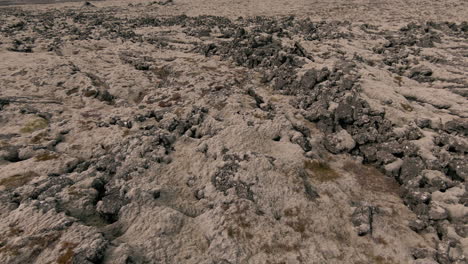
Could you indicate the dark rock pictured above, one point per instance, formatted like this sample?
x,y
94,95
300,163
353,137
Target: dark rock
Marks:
x,y
300,51
385,157
409,149
302,142
199,194
9,153
362,218
88,4
318,111
310,191
110,205
258,99
323,74
20,46
451,143
105,96
339,142
365,135
92,252
309,79
437,212
421,74
49,187
369,152
417,225
3,102
458,170
459,126
461,230
422,253
442,254
392,147
413,133
435,180
346,84
344,114
421,210
414,197
223,180
423,123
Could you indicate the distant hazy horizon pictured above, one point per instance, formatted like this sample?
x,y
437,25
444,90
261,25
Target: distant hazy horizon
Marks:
x,y
24,2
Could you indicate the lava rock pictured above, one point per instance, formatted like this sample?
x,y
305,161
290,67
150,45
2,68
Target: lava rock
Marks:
x,y
422,253
339,142
421,74
309,79
110,205
20,46
413,133
9,153
436,180
459,126
362,218
417,225
437,212
369,151
302,141
423,123
425,261
385,157
344,114
411,167
393,168
413,198
458,170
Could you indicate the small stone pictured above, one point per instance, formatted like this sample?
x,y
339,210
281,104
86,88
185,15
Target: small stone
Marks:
x,y
458,170
362,219
417,225
437,212
425,261
443,248
309,79
423,122
385,157
411,167
9,153
436,180
339,142
414,133
393,168
302,141
421,74
423,253
370,152
344,113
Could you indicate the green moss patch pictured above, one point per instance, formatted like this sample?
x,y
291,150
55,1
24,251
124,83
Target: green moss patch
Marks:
x,y
18,180
407,107
35,125
67,256
46,156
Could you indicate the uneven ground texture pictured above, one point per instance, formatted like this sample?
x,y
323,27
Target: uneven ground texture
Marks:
x,y
234,132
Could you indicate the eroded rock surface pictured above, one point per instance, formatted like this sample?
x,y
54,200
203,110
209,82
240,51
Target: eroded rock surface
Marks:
x,y
130,134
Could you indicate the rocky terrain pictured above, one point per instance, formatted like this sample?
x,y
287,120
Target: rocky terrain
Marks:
x,y
234,132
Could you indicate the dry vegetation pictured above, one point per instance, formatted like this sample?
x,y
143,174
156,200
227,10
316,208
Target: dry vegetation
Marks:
x,y
17,180
372,179
46,157
67,256
321,171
